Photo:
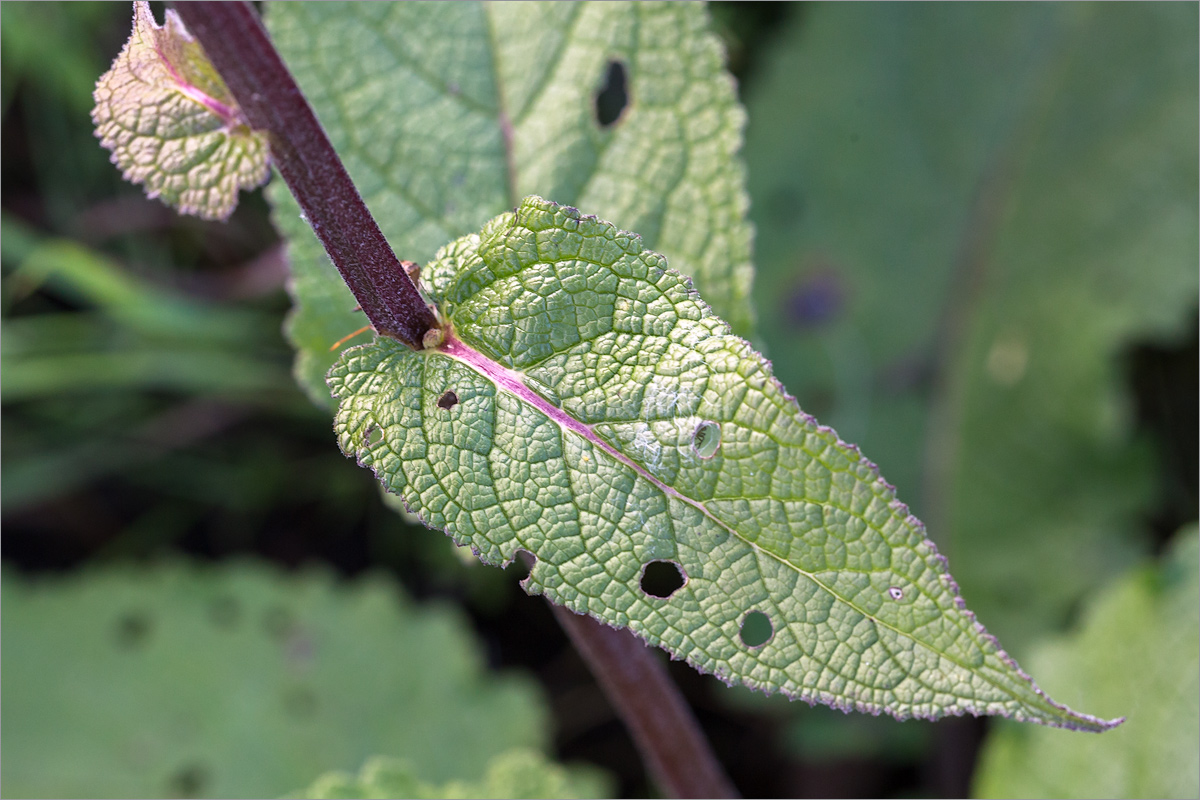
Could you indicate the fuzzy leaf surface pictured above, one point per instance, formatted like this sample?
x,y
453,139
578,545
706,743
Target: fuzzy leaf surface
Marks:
x,y
171,123
447,114
571,412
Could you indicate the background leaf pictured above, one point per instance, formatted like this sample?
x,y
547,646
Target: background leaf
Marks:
x,y
446,114
965,214
1137,650
240,681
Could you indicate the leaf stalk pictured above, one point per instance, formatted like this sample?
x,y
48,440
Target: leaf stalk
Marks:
x,y
238,46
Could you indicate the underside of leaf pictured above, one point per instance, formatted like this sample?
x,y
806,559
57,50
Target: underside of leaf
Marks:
x,y
171,123
587,407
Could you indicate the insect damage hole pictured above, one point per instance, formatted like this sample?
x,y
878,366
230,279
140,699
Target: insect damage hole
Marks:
x,y
372,436
757,629
613,97
706,439
662,578
448,400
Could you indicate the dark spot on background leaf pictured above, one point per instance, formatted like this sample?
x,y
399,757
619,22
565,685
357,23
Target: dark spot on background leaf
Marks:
x,y
189,780
818,299
757,629
278,622
662,578
785,206
300,702
613,97
448,400
224,611
133,629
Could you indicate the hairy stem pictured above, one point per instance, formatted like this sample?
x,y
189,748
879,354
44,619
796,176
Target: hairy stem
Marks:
x,y
663,727
237,45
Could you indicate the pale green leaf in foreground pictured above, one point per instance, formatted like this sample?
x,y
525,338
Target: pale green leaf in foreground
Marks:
x,y
587,407
1138,651
514,774
171,123
240,681
447,114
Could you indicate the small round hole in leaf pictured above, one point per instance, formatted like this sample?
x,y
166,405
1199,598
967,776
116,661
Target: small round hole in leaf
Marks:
x,y
757,629
896,593
706,439
613,97
448,400
662,578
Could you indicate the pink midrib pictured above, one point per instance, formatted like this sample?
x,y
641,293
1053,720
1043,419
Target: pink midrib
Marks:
x,y
513,382
229,115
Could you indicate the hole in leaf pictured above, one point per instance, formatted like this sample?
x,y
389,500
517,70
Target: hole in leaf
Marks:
x,y
613,97
521,565
662,578
757,629
896,593
372,436
448,401
224,611
188,781
132,630
706,439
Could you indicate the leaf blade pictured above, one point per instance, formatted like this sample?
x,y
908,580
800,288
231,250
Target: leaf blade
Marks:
x,y
599,475
509,89
171,123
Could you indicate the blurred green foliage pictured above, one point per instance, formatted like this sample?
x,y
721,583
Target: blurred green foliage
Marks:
x,y
964,214
1137,652
237,681
976,224
513,774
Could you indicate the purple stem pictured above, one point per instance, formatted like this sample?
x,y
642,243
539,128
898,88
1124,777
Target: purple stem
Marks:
x,y
663,727
237,45
666,733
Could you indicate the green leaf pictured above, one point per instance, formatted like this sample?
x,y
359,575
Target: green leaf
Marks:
x,y
965,215
239,681
1137,650
561,416
516,774
171,123
447,114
